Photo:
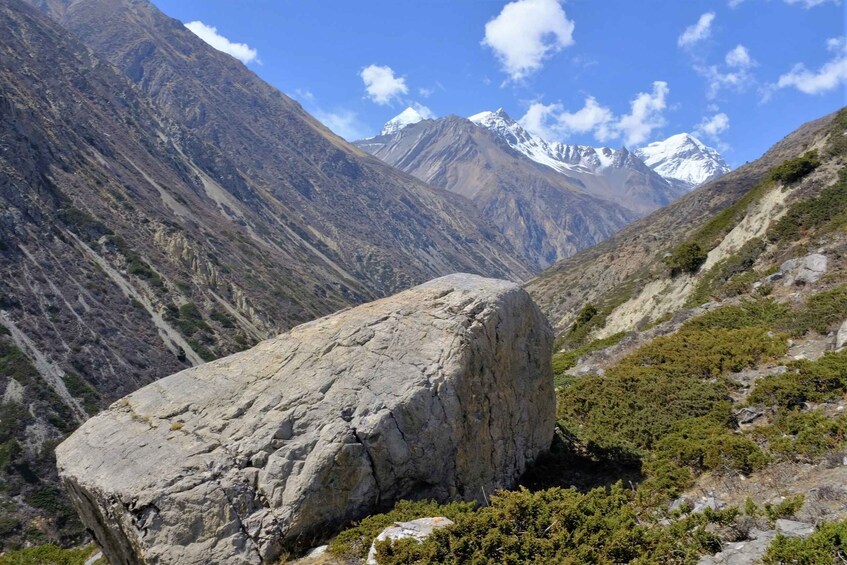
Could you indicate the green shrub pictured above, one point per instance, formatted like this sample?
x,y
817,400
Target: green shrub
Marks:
x,y
786,508
223,319
792,170
559,526
804,381
564,360
643,397
827,209
765,313
822,311
827,545
808,435
355,541
703,353
48,555
686,258
702,444
731,276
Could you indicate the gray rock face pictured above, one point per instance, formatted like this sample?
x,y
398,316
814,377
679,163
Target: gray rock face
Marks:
x,y
807,271
841,337
419,529
742,552
439,391
794,529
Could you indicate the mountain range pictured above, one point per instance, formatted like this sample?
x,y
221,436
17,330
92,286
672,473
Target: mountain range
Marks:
x,y
505,171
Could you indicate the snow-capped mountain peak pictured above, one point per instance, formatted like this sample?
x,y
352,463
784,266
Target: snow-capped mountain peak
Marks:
x,y
405,118
559,156
684,159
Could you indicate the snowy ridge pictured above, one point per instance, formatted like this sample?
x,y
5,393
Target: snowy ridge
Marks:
x,y
559,156
405,118
684,158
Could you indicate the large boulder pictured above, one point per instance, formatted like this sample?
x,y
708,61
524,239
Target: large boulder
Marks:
x,y
441,391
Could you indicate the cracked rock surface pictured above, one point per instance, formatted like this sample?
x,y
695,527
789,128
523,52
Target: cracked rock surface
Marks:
x,y
440,391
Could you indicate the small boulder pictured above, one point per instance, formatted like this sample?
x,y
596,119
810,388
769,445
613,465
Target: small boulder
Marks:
x,y
841,337
794,529
748,415
742,552
711,502
788,266
810,269
419,530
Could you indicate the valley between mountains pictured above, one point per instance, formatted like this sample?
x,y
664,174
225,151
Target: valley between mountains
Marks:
x,y
227,335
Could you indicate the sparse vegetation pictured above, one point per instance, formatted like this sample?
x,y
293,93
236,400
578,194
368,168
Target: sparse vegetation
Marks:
x,y
793,170
560,526
48,555
824,212
564,360
688,257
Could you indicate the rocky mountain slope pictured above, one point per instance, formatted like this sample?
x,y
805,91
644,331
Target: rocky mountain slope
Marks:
x,y
549,217
544,213
144,234
631,262
684,160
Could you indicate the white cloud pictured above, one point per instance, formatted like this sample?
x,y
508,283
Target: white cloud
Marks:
x,y
426,92
381,84
809,3
828,77
646,114
712,127
425,112
739,58
697,32
343,123
525,33
803,3
552,121
737,76
210,35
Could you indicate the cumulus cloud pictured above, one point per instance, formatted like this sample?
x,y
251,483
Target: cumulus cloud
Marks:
x,y
552,121
344,123
739,58
525,33
210,35
713,126
829,76
646,114
736,76
381,84
697,32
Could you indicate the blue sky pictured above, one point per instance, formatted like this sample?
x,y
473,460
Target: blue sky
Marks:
x,y
740,74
